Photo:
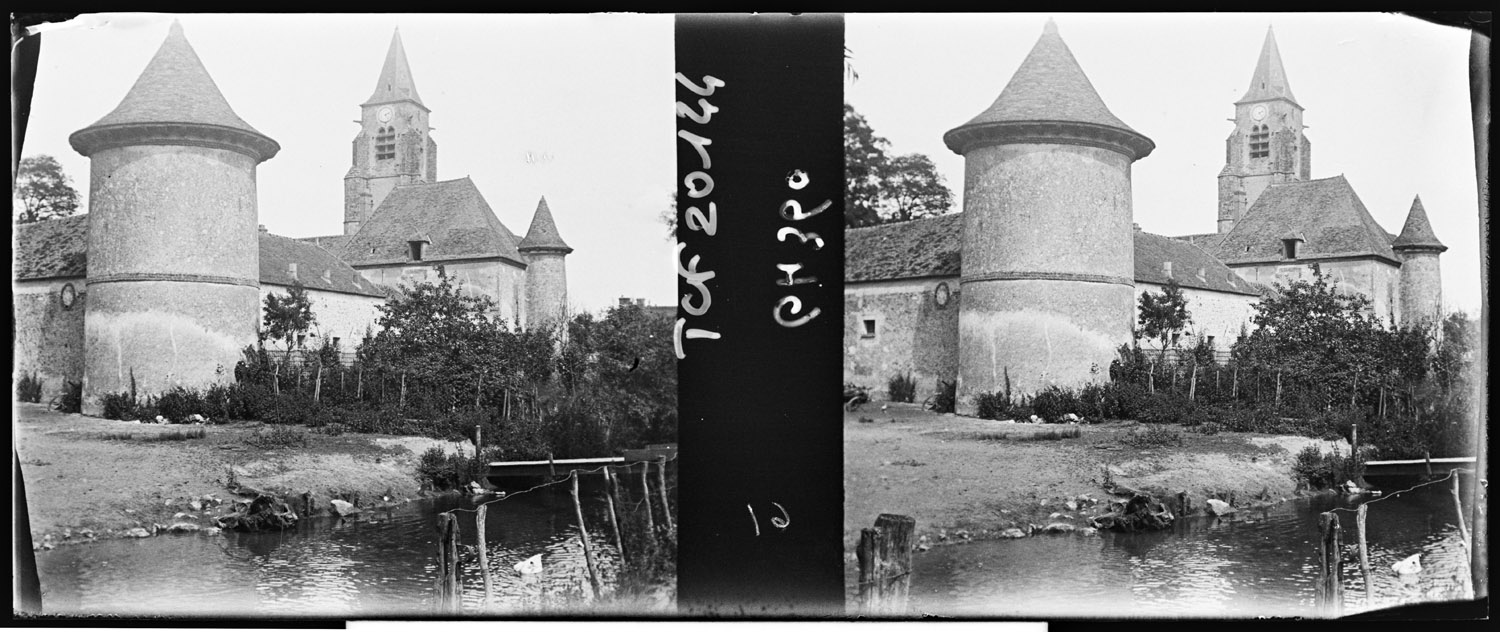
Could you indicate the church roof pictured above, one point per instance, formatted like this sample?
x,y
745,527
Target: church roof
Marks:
x,y
1049,86
932,247
1269,80
1417,233
451,215
175,88
396,82
1325,213
277,253
58,249
543,232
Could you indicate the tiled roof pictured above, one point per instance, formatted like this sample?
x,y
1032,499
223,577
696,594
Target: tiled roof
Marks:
x,y
396,82
52,248
175,88
1192,266
317,268
932,248
58,248
918,248
543,233
451,215
1049,86
1417,233
1206,241
1269,80
331,243
1327,214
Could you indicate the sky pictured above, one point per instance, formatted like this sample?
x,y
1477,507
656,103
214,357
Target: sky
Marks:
x,y
576,108
1386,98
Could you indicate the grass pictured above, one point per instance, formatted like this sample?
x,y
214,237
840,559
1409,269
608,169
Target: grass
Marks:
x,y
174,435
1049,435
272,437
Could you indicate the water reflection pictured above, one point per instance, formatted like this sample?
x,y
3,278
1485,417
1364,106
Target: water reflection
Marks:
x,y
1261,564
382,564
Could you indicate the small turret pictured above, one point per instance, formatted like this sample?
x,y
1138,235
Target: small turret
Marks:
x,y
546,269
1421,270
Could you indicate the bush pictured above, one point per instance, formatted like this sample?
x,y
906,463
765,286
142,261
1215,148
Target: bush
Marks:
x,y
1153,437
178,404
944,400
992,405
442,471
1053,402
119,406
902,388
29,388
71,399
1166,408
1323,471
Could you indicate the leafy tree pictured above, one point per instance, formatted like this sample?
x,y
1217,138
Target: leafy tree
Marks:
x,y
288,317
668,217
620,379
43,190
1164,314
865,165
915,187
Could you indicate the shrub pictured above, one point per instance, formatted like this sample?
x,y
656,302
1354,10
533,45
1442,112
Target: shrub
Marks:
x,y
1121,400
177,404
944,400
442,471
29,388
1323,471
1165,408
71,399
1210,428
1152,437
272,437
992,405
119,406
1053,402
902,388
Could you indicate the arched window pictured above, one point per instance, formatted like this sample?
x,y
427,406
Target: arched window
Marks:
x,y
385,143
1260,141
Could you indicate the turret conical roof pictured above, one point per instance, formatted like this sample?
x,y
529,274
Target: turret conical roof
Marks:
x,y
543,232
1049,87
1269,80
396,82
1417,233
174,90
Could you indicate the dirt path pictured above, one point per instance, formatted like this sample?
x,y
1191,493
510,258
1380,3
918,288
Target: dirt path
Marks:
x,y
88,477
965,478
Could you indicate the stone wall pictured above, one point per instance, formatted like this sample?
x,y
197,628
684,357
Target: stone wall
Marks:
x,y
49,337
339,315
502,282
1215,314
1375,279
912,334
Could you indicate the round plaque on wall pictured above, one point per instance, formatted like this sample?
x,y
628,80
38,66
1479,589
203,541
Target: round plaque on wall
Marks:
x,y
68,295
941,295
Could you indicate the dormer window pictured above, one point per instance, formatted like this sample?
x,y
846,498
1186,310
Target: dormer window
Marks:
x,y
416,249
1260,141
385,143
1289,248
291,270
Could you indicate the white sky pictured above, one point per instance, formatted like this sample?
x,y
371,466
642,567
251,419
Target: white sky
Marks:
x,y
592,96
1386,98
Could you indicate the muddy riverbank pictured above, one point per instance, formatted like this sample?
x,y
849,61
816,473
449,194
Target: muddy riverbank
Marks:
x,y
968,479
89,478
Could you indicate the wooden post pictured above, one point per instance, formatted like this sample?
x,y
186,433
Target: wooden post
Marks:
x,y
1330,595
449,598
646,497
1364,553
1463,531
885,565
1151,378
1184,505
1278,390
551,468
359,383
588,550
484,559
1427,456
275,378
1193,385
614,521
1234,389
318,384
307,505
403,390
661,486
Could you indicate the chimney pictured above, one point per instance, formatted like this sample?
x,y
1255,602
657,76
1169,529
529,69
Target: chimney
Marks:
x,y
1135,226
640,302
328,276
624,302
1166,268
291,269
263,230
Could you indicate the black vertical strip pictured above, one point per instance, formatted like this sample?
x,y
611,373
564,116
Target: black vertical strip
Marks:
x,y
761,482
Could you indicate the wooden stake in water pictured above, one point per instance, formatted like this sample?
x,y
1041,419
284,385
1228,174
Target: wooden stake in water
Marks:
x,y
1463,531
646,496
484,559
885,565
661,486
1330,595
1364,554
609,499
588,551
449,598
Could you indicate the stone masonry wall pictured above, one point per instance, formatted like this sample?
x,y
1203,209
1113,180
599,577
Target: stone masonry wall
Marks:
x,y
49,337
912,334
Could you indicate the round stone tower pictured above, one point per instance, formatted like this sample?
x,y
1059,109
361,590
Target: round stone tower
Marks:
x,y
546,270
173,270
1048,253
1418,249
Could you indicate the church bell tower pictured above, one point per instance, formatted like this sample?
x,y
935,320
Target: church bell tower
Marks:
x,y
394,146
1267,145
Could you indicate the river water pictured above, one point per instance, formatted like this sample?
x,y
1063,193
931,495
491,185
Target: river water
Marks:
x,y
1262,563
383,564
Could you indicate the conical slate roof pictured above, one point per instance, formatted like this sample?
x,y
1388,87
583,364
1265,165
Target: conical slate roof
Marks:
x,y
1418,231
176,90
1269,80
1049,87
396,83
543,232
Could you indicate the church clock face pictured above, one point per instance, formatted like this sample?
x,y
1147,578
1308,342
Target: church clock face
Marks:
x,y
1258,113
385,114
